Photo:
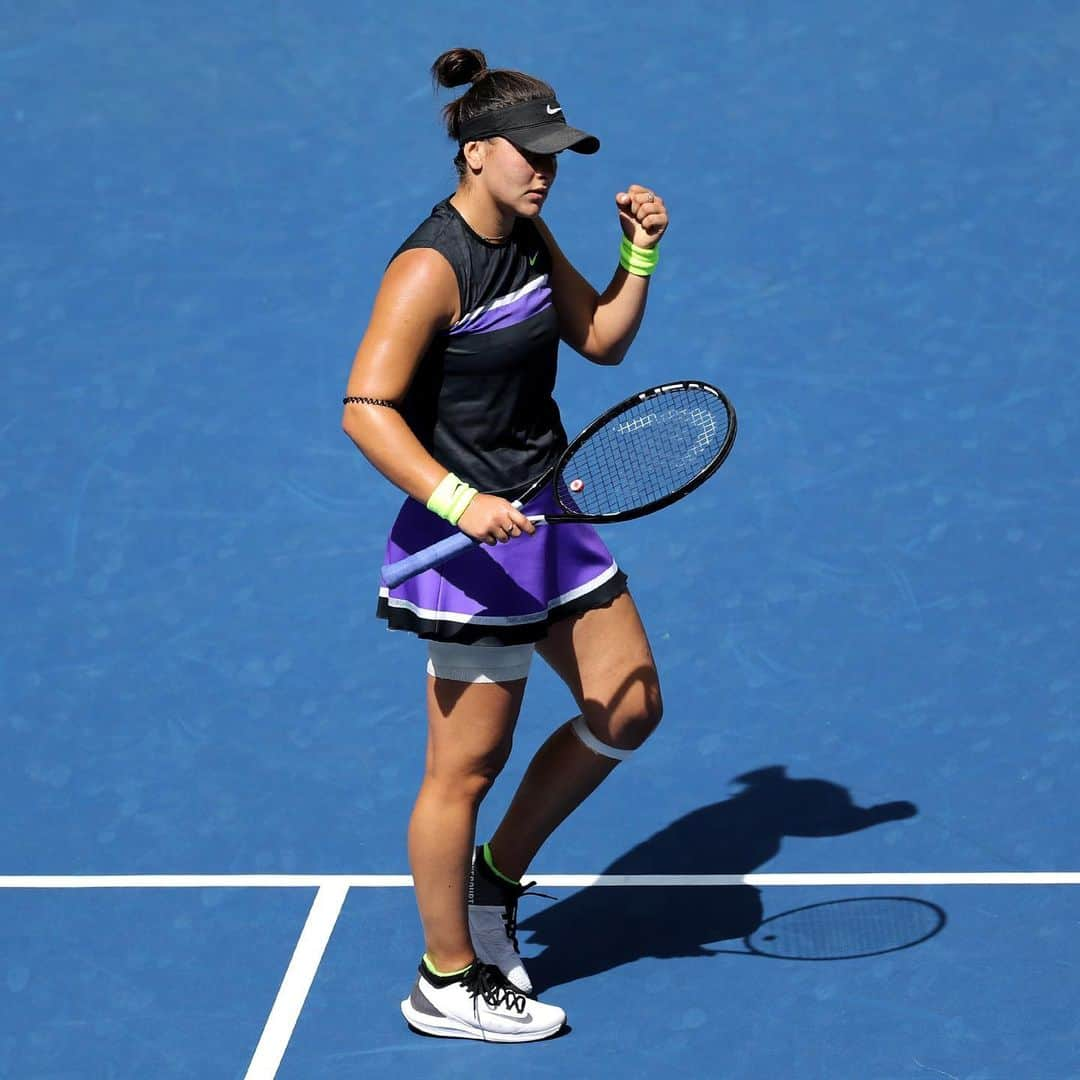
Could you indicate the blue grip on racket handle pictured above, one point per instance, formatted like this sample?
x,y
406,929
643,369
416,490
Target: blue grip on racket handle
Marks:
x,y
394,574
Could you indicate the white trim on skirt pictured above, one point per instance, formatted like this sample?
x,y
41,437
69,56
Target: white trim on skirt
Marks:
x,y
500,620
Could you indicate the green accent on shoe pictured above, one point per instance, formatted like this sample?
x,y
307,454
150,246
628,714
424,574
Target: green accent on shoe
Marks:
x,y
443,974
495,870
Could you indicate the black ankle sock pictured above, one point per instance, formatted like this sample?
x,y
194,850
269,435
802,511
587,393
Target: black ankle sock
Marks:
x,y
441,978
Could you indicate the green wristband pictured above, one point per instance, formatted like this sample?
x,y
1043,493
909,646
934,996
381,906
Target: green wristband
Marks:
x,y
636,260
451,498
441,498
462,497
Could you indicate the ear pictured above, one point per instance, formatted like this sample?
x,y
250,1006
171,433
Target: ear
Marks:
x,y
474,153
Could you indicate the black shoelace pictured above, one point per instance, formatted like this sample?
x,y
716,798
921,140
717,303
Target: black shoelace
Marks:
x,y
510,907
488,982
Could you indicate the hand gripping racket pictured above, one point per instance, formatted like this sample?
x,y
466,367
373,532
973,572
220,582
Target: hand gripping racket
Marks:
x,y
641,455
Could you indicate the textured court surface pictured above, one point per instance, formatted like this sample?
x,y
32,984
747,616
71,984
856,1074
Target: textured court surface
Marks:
x,y
875,251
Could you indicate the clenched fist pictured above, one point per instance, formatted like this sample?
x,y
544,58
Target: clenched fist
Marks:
x,y
642,214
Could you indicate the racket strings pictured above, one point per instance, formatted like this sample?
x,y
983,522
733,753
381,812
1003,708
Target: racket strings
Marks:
x,y
645,454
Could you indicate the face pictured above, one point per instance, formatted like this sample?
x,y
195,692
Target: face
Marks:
x,y
516,179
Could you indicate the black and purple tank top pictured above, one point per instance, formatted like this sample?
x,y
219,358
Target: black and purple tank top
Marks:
x,y
481,400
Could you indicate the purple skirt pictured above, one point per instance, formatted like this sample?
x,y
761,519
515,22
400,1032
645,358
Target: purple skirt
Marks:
x,y
508,594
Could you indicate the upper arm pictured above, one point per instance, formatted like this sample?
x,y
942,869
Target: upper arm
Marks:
x,y
574,298
417,299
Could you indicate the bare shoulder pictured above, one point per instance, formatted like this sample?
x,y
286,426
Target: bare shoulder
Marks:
x,y
417,299
564,276
424,281
574,298
547,236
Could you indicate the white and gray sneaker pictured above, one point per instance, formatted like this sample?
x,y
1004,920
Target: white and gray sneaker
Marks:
x,y
479,1003
493,905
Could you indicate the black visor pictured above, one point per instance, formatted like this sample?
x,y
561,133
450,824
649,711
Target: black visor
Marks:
x,y
537,126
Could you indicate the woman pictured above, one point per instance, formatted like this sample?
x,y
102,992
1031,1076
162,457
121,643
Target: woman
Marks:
x,y
450,398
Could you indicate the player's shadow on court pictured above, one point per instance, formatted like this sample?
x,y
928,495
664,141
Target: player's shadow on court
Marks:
x,y
604,927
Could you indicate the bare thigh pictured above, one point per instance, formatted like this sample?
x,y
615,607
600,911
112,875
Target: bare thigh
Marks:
x,y
603,656
470,727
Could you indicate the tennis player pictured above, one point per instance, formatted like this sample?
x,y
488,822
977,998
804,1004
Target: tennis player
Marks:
x,y
450,398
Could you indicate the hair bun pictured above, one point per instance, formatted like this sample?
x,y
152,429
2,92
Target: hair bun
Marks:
x,y
459,66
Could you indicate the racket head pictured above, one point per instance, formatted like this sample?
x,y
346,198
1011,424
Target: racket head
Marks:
x,y
645,453
847,929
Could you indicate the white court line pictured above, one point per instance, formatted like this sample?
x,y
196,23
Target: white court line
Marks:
x,y
333,888
296,985
884,878
569,881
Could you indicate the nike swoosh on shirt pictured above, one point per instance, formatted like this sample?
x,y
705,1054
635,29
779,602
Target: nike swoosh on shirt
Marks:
x,y
533,257
551,111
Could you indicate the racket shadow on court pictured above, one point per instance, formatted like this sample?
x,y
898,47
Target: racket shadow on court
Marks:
x,y
603,927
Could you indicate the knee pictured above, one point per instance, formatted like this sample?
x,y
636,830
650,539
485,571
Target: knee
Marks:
x,y
628,723
469,780
483,775
644,720
472,787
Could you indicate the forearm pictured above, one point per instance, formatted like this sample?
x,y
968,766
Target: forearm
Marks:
x,y
382,436
602,326
616,317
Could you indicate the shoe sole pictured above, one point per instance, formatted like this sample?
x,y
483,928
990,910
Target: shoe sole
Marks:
x,y
448,1028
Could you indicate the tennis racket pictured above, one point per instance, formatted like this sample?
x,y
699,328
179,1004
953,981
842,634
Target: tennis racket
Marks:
x,y
641,455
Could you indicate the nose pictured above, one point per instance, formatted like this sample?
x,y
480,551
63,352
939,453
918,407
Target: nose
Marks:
x,y
546,167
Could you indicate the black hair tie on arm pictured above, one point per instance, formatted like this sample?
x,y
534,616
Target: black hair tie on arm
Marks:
x,y
368,401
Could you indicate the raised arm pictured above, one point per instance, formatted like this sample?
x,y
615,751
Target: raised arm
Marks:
x,y
602,326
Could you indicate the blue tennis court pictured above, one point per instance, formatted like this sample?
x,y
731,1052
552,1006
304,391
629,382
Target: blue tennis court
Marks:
x,y
866,623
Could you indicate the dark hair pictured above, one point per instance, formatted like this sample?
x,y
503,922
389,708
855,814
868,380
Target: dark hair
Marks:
x,y
490,89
